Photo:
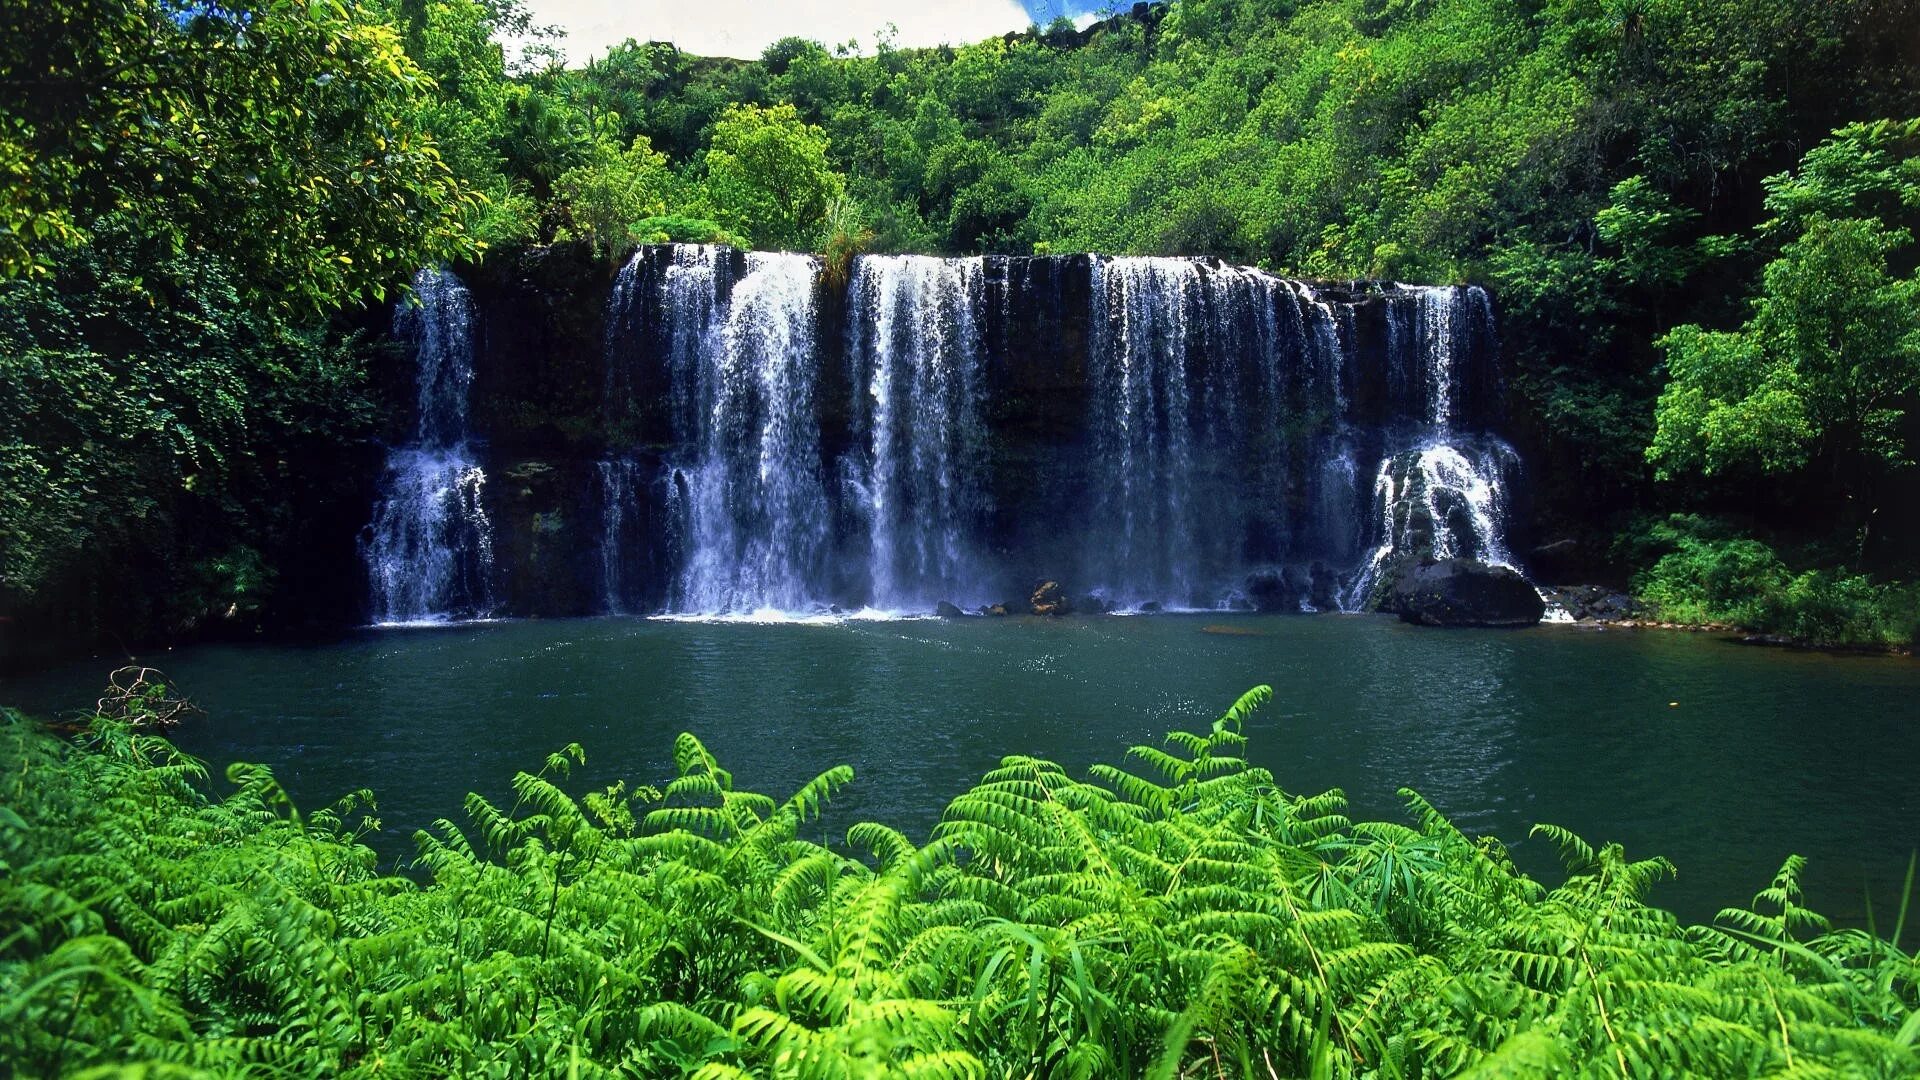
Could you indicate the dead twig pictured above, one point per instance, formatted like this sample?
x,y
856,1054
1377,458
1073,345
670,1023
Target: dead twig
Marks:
x,y
143,697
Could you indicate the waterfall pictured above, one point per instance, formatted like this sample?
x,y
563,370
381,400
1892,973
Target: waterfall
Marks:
x,y
661,321
1218,395
1435,339
1331,502
1446,494
429,548
1142,428
1442,501
919,469
693,293
757,518
621,484
1197,435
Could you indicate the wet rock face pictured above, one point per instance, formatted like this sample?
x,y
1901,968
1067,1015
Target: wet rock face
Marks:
x,y
1463,592
542,536
1593,603
1274,590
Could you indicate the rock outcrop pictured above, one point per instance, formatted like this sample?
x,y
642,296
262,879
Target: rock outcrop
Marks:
x,y
1050,599
1463,592
1593,603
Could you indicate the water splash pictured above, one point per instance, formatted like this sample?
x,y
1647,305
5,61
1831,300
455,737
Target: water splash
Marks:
x,y
1447,496
1443,501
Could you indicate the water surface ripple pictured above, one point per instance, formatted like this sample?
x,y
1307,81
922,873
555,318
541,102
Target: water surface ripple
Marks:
x,y
1765,753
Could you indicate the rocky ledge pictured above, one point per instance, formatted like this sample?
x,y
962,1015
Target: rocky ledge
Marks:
x,y
1592,603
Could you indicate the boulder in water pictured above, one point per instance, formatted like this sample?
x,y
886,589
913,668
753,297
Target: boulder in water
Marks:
x,y
1463,592
1323,588
1267,590
1050,599
1277,590
1151,607
947,610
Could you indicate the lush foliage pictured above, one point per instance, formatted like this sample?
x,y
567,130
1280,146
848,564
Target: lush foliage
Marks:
x,y
154,432
281,134
1703,571
1181,917
1825,367
608,196
767,176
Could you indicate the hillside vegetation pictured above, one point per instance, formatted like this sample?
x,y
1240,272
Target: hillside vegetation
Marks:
x,y
1697,217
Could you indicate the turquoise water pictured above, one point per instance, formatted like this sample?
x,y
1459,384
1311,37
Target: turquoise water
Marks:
x,y
1722,757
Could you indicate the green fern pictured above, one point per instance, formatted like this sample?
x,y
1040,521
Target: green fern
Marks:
x,y
1191,919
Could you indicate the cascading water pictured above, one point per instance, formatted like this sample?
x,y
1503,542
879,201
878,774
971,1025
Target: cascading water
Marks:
x,y
1143,428
1441,501
1218,410
757,518
429,548
1241,438
621,483
1446,495
918,470
1436,345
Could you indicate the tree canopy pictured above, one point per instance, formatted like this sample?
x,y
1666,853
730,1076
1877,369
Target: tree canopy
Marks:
x,y
284,135
767,176
1829,361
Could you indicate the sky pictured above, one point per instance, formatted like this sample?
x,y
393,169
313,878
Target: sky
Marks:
x,y
744,28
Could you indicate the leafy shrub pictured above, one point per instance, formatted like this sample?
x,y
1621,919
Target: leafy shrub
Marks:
x,y
677,229
614,189
1710,575
1188,919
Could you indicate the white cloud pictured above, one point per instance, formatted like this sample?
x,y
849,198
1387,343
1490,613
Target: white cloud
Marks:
x,y
744,28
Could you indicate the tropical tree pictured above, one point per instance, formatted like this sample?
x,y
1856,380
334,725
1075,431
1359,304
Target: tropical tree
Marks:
x,y
282,133
1830,359
768,176
606,197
